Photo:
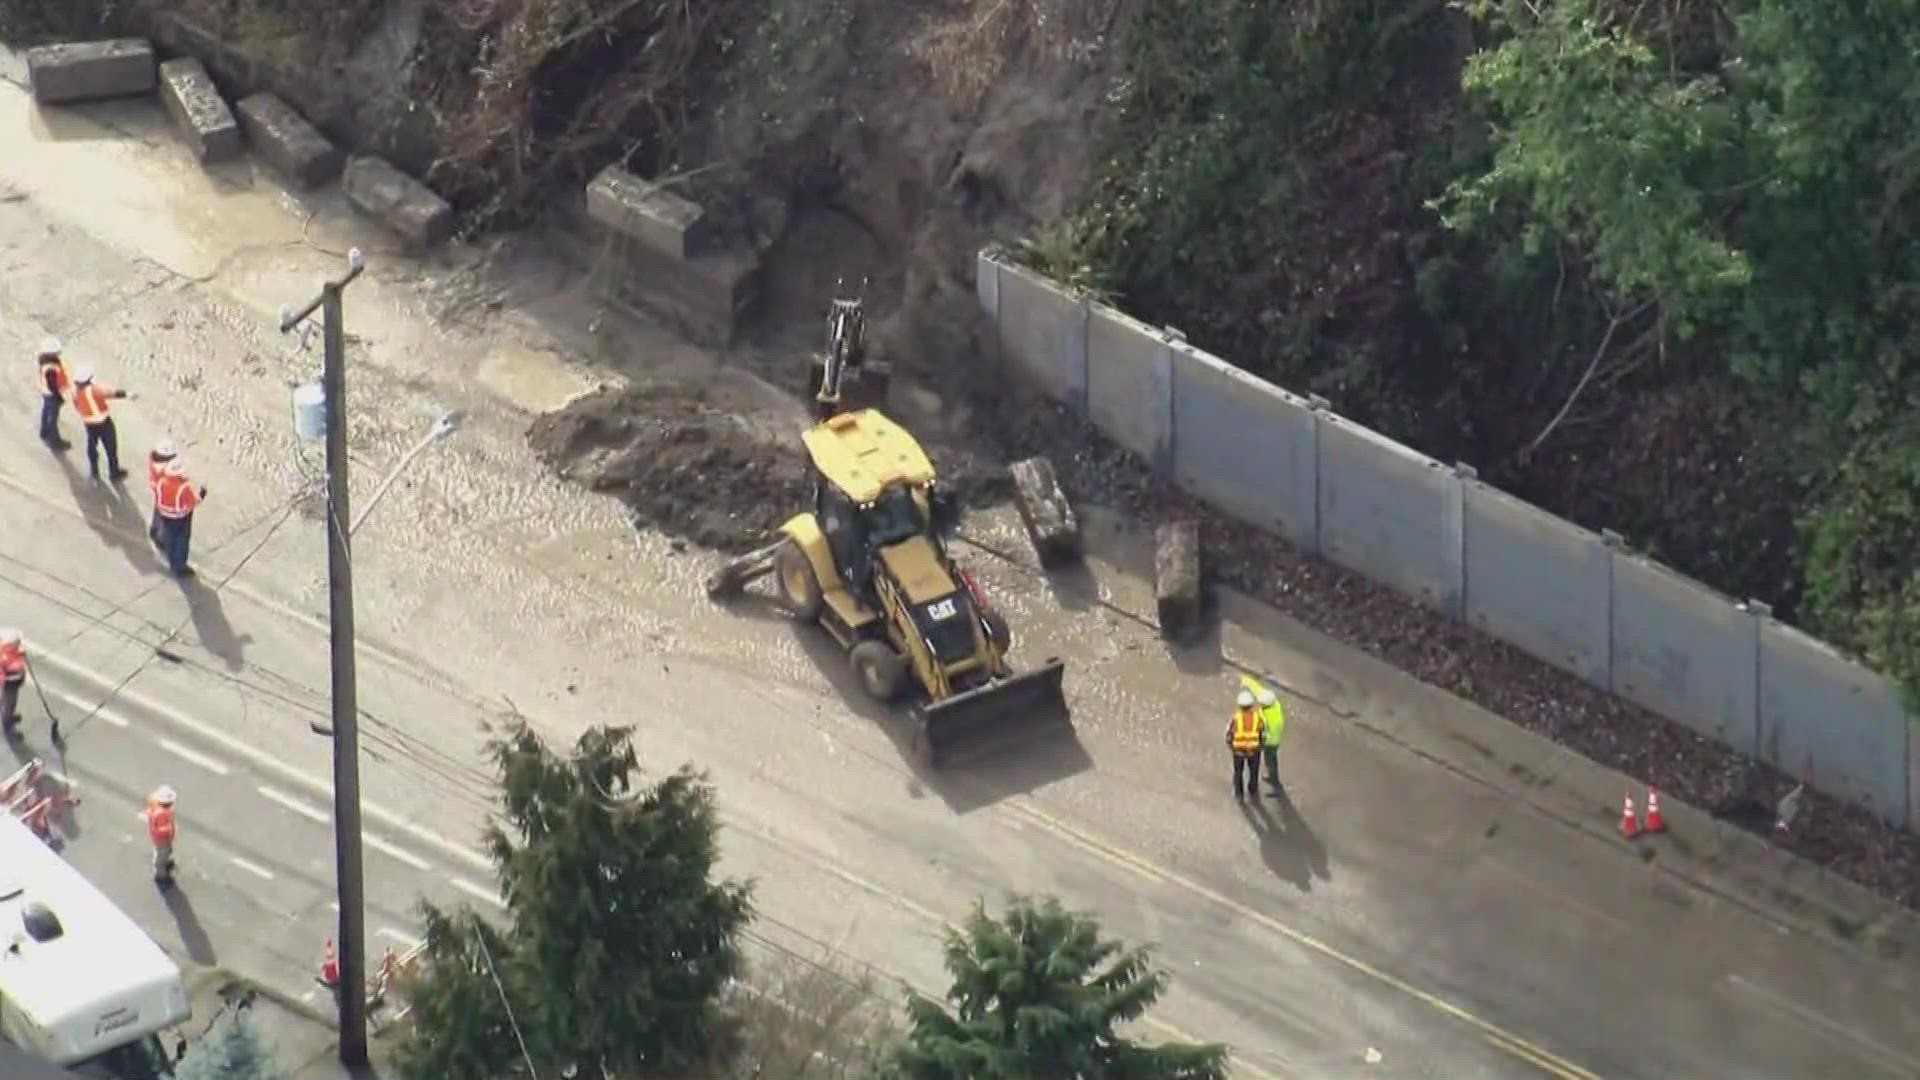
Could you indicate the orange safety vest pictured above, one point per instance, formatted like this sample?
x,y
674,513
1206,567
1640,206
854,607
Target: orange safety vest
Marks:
x,y
159,823
175,497
13,662
90,403
59,371
1246,731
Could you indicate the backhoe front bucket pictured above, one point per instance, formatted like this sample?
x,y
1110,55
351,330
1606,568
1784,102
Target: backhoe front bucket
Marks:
x,y
1015,710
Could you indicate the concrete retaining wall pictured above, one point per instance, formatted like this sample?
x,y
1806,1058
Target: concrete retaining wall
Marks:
x,y
1578,601
1538,582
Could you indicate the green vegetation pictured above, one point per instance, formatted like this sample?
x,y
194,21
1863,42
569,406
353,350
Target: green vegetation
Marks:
x,y
1652,265
1037,993
232,1049
621,957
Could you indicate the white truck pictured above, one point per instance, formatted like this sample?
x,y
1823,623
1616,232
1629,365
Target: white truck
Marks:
x,y
79,980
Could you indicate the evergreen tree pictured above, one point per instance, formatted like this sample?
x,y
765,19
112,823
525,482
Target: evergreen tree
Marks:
x,y
232,1049
1036,995
619,941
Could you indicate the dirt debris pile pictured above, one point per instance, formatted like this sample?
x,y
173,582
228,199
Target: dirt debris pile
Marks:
x,y
702,465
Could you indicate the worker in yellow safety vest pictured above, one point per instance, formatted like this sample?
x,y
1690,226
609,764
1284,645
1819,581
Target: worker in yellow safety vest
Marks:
x,y
1275,722
1243,742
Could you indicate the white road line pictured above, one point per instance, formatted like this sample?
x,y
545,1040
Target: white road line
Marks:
x,y
482,892
293,804
218,768
251,867
391,934
260,758
1887,1054
397,852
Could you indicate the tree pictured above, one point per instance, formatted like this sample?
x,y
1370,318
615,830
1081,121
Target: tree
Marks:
x,y
619,942
1036,995
232,1049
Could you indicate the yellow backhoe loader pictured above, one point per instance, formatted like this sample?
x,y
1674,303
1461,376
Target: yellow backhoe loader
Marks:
x,y
869,563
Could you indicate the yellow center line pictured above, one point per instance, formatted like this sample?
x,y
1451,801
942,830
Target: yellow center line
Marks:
x,y
1535,1055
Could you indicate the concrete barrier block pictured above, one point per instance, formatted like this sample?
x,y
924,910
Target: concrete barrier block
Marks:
x,y
1176,579
1245,445
91,70
1832,722
986,284
1043,333
1130,384
398,201
289,145
1044,509
198,110
642,211
1538,582
1384,512
1685,652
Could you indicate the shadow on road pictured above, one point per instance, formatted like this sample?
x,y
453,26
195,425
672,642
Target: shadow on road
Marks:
x,y
110,512
965,785
210,625
1288,846
193,936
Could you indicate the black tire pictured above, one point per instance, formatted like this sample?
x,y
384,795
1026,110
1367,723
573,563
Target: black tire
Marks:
x,y
883,672
799,585
998,631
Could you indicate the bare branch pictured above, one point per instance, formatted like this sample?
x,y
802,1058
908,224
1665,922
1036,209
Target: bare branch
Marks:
x,y
1613,326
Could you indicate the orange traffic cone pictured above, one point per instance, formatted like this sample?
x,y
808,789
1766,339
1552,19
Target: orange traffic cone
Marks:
x,y
329,966
1655,823
1629,823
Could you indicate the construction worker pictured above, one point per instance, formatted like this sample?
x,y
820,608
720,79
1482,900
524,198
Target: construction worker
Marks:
x,y
157,459
1243,741
13,675
1276,721
160,830
54,386
90,405
175,499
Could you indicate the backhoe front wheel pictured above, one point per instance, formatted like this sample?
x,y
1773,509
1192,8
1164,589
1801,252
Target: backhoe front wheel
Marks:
x,y
799,585
883,672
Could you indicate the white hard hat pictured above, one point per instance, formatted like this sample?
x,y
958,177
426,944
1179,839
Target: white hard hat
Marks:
x,y
83,374
1245,700
50,346
165,448
164,795
9,636
176,468
1267,698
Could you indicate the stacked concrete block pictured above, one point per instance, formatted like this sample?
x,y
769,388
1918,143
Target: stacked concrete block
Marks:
x,y
287,143
1044,510
398,201
663,260
91,70
1176,580
198,110
653,216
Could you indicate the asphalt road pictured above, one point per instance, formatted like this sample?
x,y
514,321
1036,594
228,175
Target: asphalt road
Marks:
x,y
1439,893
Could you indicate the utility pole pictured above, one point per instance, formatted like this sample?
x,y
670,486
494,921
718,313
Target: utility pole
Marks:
x,y
352,953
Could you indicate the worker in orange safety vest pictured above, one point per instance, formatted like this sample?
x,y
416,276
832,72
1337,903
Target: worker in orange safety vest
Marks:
x,y
175,499
90,405
13,675
161,831
1244,732
157,458
50,378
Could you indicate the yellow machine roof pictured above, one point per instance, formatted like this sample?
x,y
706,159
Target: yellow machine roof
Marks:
x,y
863,453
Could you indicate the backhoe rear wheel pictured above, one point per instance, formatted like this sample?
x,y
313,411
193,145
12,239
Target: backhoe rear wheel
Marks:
x,y
799,585
883,672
